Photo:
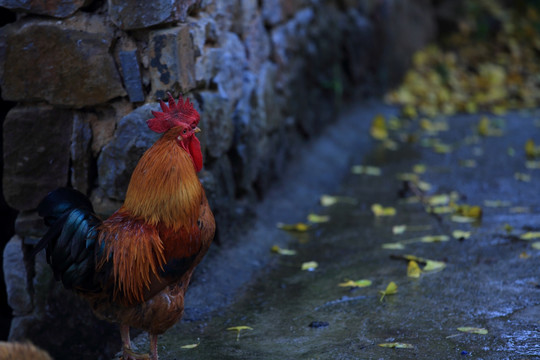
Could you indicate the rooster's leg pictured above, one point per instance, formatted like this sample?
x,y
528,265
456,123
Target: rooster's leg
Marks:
x,y
153,347
127,352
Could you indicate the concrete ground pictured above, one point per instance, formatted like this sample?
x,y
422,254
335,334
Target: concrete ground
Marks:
x,y
490,279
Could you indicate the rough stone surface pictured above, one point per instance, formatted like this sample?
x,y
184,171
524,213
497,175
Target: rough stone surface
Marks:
x,y
139,14
75,67
119,158
132,75
36,153
172,61
56,8
81,152
29,225
216,122
16,278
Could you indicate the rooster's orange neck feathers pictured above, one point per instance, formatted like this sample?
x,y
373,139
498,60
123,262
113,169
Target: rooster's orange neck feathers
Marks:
x,y
164,187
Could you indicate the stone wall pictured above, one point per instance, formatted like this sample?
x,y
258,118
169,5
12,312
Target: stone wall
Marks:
x,y
266,75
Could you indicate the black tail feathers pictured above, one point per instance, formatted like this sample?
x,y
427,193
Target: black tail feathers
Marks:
x,y
71,239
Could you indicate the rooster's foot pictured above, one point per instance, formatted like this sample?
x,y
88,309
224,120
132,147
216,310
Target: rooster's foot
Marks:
x,y
129,354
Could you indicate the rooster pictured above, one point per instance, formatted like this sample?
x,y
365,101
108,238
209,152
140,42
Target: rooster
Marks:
x,y
134,267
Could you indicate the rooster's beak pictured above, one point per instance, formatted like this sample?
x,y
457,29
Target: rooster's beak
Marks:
x,y
196,130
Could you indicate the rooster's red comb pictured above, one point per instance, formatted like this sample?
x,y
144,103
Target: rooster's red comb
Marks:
x,y
173,115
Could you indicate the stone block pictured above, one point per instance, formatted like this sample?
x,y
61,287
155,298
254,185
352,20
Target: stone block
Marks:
x,y
139,14
16,278
257,43
172,61
132,75
63,63
120,156
36,153
216,123
29,225
81,152
55,8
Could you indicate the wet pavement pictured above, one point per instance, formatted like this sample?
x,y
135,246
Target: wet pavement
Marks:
x,y
491,279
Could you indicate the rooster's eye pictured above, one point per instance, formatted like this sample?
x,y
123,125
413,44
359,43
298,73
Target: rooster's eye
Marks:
x,y
183,132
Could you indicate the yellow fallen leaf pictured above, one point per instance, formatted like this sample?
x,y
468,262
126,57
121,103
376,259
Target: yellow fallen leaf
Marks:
x,y
393,246
532,165
522,177
238,329
524,255
316,219
366,170
434,238
378,128
462,219
508,228
419,168
530,235
483,126
496,203
413,270
424,186
460,234
190,346
520,209
276,249
441,148
408,177
357,283
390,145
379,210
301,227
409,111
441,210
396,345
531,150
473,330
309,266
536,245
440,199
329,200
391,289
471,211
398,229
433,265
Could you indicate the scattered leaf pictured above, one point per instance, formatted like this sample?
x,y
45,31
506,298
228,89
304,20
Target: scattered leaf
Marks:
x,y
460,234
462,219
393,246
396,345
413,270
238,329
366,170
524,255
441,210
309,266
433,266
522,177
531,150
357,283
471,211
496,203
398,229
391,289
280,251
530,235
536,245
441,148
419,168
379,210
520,209
300,227
441,199
329,200
378,128
317,219
190,346
532,165
473,330
434,238
508,228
